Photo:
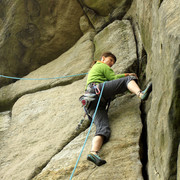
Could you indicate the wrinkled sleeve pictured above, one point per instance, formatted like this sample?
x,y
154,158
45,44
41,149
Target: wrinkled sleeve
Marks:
x,y
110,75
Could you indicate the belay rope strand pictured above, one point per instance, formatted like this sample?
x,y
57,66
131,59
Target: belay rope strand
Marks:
x,y
9,77
88,131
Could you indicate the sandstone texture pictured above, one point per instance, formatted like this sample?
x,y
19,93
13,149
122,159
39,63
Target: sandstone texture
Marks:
x,y
118,38
36,32
30,134
41,125
39,138
4,120
80,55
163,68
104,8
122,154
101,13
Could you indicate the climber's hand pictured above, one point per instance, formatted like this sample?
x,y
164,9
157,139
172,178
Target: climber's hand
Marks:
x,y
132,74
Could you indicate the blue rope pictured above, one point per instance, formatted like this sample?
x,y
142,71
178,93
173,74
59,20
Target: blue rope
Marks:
x,y
88,132
93,115
9,77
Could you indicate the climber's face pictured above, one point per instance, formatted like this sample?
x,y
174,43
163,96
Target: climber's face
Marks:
x,y
108,60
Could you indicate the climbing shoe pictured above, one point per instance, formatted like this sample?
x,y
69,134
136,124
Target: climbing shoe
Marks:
x,y
95,159
146,92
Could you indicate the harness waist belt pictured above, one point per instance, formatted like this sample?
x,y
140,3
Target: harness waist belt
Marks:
x,y
92,84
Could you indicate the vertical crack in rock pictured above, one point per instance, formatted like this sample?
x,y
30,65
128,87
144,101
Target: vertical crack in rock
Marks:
x,y
143,142
160,2
174,116
136,42
82,6
140,71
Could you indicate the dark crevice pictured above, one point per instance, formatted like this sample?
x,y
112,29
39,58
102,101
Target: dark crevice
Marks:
x,y
173,119
82,6
137,48
160,2
143,143
141,73
144,109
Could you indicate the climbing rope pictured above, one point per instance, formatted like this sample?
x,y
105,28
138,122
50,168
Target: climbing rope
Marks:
x,y
93,115
9,77
88,131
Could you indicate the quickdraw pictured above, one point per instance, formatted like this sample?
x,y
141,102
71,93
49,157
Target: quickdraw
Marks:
x,y
85,100
95,87
97,90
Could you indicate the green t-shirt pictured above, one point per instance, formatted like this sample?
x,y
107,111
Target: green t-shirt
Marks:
x,y
101,72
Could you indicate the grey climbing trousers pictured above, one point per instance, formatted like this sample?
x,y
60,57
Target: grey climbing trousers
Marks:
x,y
111,88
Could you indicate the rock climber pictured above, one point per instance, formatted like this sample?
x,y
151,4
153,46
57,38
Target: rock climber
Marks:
x,y
115,84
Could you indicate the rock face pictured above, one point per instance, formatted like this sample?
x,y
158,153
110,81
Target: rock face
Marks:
x,y
80,54
118,38
35,116
38,130
163,68
4,120
34,33
105,8
122,154
165,109
41,126
38,118
101,13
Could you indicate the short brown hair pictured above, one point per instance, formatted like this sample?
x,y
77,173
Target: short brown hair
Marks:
x,y
107,54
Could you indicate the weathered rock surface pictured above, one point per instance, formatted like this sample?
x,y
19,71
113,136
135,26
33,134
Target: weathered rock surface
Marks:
x,y
178,165
85,24
101,13
164,70
156,33
118,38
34,33
104,8
30,134
80,55
121,153
41,125
159,27
4,120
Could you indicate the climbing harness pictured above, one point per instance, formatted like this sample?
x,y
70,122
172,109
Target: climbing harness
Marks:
x,y
88,131
90,95
86,100
97,91
95,87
